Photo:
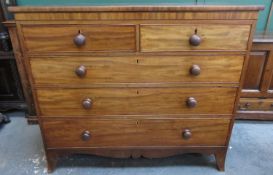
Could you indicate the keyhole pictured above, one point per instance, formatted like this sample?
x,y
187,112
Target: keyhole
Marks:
x,y
195,31
137,92
137,61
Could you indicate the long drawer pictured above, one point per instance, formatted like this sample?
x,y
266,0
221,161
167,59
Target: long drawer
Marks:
x,y
206,37
132,132
136,101
136,69
79,38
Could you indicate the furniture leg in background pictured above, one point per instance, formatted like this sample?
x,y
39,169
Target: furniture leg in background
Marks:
x,y
4,118
15,93
256,102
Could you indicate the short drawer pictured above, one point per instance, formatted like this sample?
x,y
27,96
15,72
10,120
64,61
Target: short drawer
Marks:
x,y
78,38
133,101
156,38
82,71
132,132
255,104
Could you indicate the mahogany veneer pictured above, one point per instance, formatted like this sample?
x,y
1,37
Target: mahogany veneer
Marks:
x,y
134,81
147,69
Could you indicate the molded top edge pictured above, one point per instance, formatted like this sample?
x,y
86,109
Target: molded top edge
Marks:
x,y
140,8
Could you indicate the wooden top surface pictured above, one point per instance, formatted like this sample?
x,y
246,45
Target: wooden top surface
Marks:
x,y
143,8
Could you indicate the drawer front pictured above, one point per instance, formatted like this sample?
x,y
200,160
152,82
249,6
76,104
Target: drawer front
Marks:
x,y
78,38
176,37
127,132
255,104
132,101
149,69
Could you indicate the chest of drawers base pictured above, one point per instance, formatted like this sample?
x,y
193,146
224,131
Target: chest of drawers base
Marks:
x,y
139,81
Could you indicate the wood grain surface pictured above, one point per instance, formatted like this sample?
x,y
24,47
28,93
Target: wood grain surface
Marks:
x,y
256,104
127,132
105,16
123,101
142,8
59,38
176,37
255,68
136,69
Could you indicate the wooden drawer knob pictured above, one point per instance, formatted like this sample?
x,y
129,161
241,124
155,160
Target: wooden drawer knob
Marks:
x,y
195,70
86,135
79,39
191,102
186,134
81,71
195,40
87,103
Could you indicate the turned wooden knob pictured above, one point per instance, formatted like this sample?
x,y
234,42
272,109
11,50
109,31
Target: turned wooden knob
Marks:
x,y
87,103
81,71
191,102
186,134
195,70
86,135
79,40
195,40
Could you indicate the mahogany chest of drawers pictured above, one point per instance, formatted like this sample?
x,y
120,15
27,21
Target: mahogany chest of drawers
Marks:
x,y
149,81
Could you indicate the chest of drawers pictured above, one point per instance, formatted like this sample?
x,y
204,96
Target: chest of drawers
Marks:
x,y
149,81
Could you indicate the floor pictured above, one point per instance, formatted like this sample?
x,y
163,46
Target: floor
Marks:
x,y
250,152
